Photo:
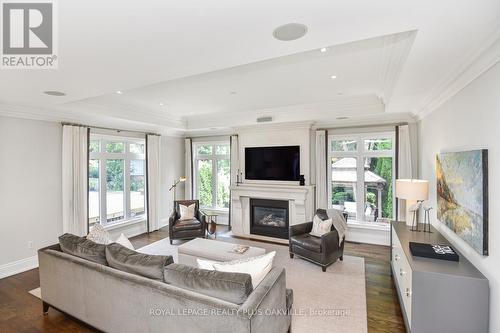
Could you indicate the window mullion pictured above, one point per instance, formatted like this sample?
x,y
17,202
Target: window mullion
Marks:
x,y
214,181
360,184
126,186
102,192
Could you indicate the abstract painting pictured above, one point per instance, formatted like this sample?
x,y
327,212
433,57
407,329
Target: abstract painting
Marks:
x,y
462,195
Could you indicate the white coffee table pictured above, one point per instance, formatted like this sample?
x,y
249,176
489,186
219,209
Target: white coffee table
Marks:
x,y
212,250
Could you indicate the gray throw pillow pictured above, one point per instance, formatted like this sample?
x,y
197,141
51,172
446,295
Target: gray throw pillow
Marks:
x,y
230,287
83,248
130,261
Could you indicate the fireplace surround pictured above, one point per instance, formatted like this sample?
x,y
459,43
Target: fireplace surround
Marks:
x,y
269,217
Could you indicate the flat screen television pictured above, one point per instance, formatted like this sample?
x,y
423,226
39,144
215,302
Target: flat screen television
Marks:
x,y
272,163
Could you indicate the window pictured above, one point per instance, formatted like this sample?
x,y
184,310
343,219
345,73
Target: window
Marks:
x,y
362,178
212,174
116,179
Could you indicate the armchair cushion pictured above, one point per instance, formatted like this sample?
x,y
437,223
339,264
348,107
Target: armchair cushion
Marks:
x,y
320,226
191,224
307,242
187,212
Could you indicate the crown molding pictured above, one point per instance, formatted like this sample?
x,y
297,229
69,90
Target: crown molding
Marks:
x,y
476,63
57,114
396,49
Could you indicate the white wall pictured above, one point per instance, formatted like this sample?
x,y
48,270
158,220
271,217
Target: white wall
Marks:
x,y
470,120
30,191
172,167
298,134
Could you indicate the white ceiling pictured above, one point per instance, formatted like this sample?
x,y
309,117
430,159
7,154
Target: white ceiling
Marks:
x,y
390,56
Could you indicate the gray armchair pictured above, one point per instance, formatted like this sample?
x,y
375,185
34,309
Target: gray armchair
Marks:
x,y
186,229
323,251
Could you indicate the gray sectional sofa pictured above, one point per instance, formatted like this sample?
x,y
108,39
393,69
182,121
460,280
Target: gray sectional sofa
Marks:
x,y
114,300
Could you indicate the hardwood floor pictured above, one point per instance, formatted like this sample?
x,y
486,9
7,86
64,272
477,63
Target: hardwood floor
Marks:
x,y
22,312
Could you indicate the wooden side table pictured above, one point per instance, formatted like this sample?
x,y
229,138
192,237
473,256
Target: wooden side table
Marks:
x,y
211,220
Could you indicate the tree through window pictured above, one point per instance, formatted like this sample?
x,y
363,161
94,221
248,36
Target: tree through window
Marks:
x,y
212,174
362,177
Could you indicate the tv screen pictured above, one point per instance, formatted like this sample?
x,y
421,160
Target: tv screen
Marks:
x,y
272,163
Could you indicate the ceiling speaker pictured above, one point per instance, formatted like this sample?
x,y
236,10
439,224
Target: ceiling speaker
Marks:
x,y
290,31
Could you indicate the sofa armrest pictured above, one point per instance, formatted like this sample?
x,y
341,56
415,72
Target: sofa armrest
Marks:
x,y
172,218
330,240
266,306
300,229
202,218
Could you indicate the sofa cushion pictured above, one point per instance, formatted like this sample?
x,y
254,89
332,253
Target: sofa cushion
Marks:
x,y
230,287
289,299
307,242
83,248
130,261
191,224
123,240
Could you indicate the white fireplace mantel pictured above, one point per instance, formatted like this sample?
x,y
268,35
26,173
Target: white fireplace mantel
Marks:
x,y
300,199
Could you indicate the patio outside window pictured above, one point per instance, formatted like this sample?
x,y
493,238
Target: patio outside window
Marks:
x,y
362,177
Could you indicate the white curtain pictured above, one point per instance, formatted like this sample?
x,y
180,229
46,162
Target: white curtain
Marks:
x,y
235,161
74,179
153,174
235,169
405,170
321,179
188,169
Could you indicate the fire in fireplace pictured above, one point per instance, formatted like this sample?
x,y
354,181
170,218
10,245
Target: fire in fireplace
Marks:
x,y
269,218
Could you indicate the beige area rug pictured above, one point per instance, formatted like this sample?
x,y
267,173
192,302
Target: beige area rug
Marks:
x,y
332,301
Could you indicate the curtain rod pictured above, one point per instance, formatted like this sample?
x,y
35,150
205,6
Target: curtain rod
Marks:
x,y
362,126
108,128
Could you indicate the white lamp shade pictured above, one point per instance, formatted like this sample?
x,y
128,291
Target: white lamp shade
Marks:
x,y
412,189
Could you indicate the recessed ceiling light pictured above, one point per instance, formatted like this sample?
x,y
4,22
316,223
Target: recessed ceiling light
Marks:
x,y
54,93
290,31
119,92
232,93
333,77
323,49
162,104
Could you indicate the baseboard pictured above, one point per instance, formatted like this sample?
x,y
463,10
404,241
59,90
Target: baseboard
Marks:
x,y
18,266
163,222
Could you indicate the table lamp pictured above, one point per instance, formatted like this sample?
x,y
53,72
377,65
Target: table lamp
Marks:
x,y
414,191
174,185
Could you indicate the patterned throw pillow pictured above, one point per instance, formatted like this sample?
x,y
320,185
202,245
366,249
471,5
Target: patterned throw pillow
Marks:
x,y
320,227
187,212
99,235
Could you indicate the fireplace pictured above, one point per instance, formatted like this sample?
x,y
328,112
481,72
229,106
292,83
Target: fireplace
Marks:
x,y
269,218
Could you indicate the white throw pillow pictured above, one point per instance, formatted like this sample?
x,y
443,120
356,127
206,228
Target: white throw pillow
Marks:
x,y
123,240
187,212
320,227
99,235
257,267
206,264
